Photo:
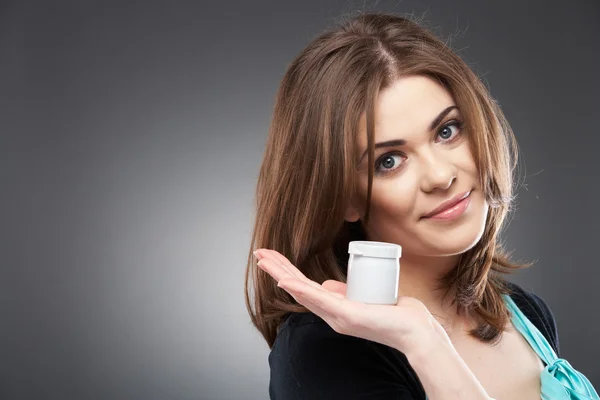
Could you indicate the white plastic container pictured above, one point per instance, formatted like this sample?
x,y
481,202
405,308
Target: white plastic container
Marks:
x,y
373,272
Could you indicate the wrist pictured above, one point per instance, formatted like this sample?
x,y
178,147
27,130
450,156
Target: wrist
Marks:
x,y
428,341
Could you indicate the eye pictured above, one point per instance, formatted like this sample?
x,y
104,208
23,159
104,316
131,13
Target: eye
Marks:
x,y
447,134
388,163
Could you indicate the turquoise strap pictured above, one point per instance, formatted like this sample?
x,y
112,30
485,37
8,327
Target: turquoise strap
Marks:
x,y
560,381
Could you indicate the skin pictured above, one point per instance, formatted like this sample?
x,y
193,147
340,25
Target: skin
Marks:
x,y
412,179
415,178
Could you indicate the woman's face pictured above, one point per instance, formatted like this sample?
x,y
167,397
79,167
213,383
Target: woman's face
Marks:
x,y
430,164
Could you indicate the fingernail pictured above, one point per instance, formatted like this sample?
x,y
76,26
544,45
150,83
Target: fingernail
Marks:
x,y
255,252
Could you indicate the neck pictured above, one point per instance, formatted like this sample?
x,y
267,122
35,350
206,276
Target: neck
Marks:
x,y
419,277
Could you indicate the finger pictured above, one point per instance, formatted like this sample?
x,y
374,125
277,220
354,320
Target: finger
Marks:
x,y
269,254
287,265
324,302
275,269
283,259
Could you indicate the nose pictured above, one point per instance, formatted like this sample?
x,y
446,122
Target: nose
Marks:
x,y
438,172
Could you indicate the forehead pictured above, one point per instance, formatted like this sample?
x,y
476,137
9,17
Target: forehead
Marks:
x,y
405,109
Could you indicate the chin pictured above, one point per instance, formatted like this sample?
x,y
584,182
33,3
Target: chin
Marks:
x,y
454,239
456,245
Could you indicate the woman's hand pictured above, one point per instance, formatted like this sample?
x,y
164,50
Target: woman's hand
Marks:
x,y
404,326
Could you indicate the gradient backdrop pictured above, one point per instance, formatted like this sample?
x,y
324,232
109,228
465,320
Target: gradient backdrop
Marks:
x,y
131,137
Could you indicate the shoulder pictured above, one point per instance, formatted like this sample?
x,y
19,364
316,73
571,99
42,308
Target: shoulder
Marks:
x,y
537,311
309,360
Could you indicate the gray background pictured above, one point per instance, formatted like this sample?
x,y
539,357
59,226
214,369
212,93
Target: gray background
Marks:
x,y
131,137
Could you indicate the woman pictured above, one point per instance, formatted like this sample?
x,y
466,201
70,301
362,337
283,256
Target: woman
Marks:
x,y
380,132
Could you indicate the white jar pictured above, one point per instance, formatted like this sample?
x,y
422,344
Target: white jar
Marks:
x,y
373,272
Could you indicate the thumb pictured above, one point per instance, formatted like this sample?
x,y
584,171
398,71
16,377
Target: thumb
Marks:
x,y
335,286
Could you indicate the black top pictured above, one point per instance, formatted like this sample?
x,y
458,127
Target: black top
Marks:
x,y
311,361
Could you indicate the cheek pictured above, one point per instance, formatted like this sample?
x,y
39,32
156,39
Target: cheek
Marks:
x,y
465,160
394,199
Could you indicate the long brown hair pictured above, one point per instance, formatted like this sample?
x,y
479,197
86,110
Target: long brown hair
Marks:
x,y
308,173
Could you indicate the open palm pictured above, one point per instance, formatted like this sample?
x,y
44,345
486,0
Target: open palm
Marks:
x,y
401,326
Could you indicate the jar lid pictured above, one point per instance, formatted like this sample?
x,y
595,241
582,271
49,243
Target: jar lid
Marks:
x,y
375,249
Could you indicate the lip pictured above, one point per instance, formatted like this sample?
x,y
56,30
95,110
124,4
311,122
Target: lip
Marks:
x,y
450,208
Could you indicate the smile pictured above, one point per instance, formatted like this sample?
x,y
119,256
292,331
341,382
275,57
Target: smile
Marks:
x,y
453,211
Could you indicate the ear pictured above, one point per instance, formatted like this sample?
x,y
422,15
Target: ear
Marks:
x,y
352,214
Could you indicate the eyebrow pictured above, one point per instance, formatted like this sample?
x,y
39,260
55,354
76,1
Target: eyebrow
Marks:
x,y
402,142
